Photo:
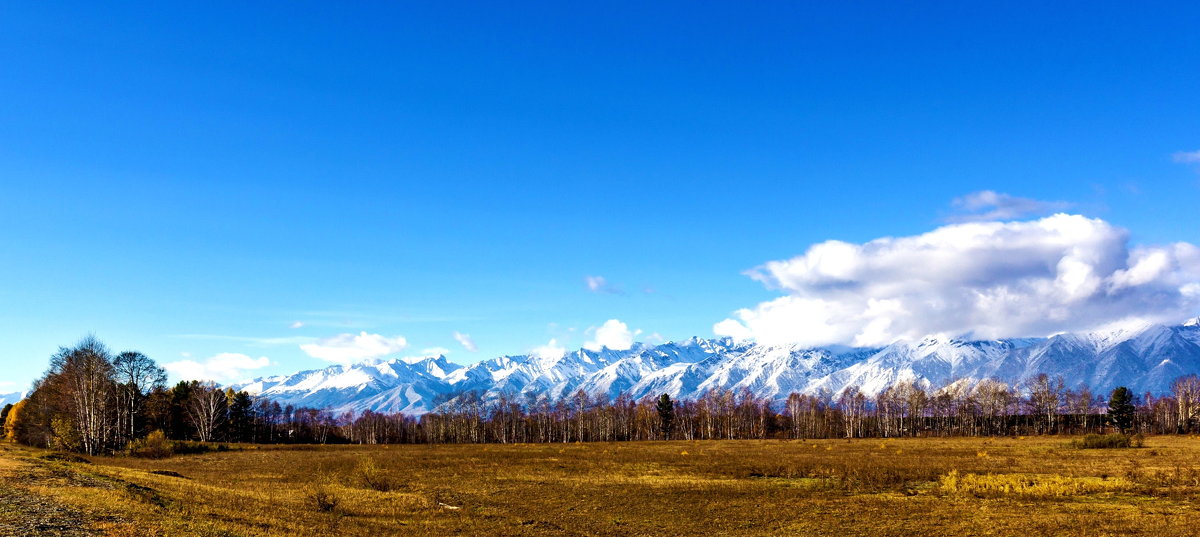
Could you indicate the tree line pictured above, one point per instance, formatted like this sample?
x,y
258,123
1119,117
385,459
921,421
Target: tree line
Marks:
x,y
986,408
93,401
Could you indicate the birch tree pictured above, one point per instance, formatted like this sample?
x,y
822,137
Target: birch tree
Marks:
x,y
83,376
206,410
1187,399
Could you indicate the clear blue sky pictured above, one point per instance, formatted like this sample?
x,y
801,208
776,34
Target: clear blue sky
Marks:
x,y
193,179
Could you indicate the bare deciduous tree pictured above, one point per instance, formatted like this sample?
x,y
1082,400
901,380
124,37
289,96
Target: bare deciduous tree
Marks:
x,y
83,376
1187,399
136,375
206,410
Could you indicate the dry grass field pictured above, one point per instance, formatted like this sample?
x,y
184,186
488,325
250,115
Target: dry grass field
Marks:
x,y
968,486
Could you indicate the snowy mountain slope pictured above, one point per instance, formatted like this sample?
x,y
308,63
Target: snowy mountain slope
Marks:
x,y
10,398
1143,357
410,386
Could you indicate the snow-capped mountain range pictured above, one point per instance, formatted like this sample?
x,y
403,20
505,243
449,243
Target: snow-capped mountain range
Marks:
x,y
10,398
1144,357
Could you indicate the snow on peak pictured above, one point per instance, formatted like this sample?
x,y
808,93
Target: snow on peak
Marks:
x,y
1137,354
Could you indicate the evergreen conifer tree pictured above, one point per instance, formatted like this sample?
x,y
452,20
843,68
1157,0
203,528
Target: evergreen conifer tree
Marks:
x,y
1120,409
666,415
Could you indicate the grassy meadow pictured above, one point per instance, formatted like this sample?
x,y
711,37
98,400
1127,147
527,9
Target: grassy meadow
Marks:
x,y
953,487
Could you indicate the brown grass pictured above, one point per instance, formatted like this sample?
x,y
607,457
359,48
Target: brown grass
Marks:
x,y
1031,486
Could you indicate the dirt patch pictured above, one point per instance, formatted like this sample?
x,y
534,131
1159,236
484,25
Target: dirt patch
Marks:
x,y
24,513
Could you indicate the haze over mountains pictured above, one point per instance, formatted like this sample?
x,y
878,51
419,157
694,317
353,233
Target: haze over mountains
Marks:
x,y
1144,357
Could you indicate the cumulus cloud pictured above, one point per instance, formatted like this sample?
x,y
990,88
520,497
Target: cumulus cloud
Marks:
x,y
466,341
296,324
549,351
982,279
351,348
988,205
1186,157
223,367
598,284
613,334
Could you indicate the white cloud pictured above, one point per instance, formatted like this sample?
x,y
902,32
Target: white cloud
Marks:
x,y
549,351
595,283
984,280
598,284
1186,157
223,367
466,341
351,348
296,324
988,205
613,334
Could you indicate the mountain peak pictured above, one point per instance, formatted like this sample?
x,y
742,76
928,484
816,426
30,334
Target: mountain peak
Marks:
x,y
413,360
690,368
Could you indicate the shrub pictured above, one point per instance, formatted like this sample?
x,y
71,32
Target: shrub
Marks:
x,y
188,447
1105,441
319,496
373,476
59,456
154,446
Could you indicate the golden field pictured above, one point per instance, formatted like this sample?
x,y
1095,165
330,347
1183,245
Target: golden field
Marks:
x,y
924,486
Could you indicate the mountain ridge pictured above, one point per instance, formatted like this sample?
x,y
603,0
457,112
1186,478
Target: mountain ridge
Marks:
x,y
1146,358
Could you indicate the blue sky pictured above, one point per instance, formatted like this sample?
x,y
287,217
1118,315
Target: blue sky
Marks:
x,y
214,180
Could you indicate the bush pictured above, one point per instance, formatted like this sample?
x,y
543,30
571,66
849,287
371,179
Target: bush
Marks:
x,y
187,447
320,497
154,446
59,456
373,476
1106,441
